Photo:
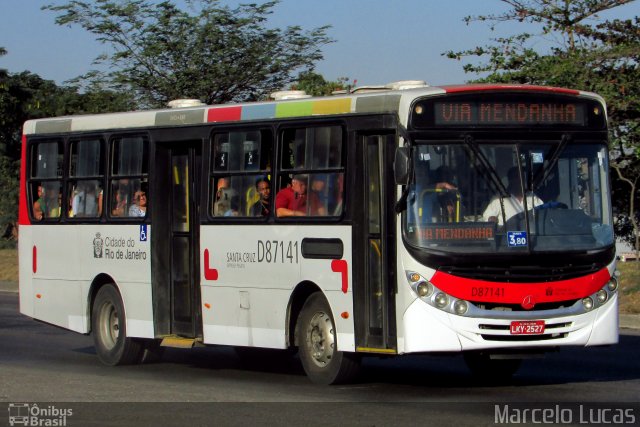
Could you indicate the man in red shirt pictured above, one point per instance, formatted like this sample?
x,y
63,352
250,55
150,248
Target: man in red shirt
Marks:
x,y
292,201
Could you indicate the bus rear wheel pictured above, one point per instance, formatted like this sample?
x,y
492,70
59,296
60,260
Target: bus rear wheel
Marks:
x,y
109,330
316,337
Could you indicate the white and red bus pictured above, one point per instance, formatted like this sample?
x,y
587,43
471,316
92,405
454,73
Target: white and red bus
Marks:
x,y
386,221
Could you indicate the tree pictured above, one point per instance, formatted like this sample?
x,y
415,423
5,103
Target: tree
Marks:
x,y
3,72
316,85
573,47
211,52
25,96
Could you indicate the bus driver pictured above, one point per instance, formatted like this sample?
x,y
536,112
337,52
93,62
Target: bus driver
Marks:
x,y
514,204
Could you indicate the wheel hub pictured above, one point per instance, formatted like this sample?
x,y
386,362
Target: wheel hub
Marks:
x,y
321,339
110,325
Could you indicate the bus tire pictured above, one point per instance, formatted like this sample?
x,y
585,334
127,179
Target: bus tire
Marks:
x,y
316,339
108,322
489,370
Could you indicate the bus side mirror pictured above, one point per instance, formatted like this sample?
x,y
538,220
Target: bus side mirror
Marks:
x,y
401,166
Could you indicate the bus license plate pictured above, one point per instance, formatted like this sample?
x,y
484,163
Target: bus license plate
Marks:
x,y
529,327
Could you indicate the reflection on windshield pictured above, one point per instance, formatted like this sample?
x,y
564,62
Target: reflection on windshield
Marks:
x,y
473,196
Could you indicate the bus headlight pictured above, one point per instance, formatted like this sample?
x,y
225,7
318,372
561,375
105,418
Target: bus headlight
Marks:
x,y
587,303
424,289
441,300
429,294
612,285
602,296
460,307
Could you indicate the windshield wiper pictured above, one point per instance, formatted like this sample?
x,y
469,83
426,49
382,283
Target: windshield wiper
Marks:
x,y
487,168
542,174
490,171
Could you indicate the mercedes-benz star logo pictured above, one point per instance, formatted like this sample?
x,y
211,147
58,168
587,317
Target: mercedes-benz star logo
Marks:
x,y
528,302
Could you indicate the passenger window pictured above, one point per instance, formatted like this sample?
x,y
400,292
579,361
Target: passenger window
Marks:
x,y
47,160
45,187
85,186
240,176
129,192
46,200
312,184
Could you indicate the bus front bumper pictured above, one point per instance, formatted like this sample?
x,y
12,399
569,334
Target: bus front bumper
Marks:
x,y
427,329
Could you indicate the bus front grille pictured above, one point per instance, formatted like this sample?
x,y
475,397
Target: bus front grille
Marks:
x,y
523,338
517,307
494,332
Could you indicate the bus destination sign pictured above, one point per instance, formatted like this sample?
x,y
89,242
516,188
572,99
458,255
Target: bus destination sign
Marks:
x,y
492,113
477,231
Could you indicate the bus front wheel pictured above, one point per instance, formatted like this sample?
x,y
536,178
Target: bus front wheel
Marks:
x,y
316,338
109,330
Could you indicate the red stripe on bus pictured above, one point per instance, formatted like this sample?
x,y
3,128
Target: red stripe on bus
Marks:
x,y
23,213
341,266
497,87
34,259
224,114
515,293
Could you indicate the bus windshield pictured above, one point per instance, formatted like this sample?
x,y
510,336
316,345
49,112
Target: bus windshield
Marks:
x,y
468,196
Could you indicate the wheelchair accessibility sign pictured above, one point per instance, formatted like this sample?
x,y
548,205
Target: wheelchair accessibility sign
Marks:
x,y
144,235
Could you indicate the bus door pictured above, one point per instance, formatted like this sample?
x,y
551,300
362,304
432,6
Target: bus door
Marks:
x,y
376,295
175,218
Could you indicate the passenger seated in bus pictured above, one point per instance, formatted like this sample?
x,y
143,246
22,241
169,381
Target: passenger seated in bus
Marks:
x,y
234,205
431,203
447,196
139,207
317,197
85,202
514,204
221,205
39,206
338,195
261,207
100,199
448,204
55,206
292,200
120,203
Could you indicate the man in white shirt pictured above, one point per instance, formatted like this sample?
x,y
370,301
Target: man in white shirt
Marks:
x,y
514,204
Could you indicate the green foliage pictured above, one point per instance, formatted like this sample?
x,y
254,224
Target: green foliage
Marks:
x,y
210,52
574,48
9,178
315,84
26,96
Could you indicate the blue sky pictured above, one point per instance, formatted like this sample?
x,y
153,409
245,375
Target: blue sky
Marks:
x,y
377,41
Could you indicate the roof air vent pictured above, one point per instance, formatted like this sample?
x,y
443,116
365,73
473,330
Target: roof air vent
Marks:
x,y
367,89
289,94
406,84
184,103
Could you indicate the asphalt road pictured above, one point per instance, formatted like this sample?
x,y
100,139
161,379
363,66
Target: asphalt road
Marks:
x,y
56,368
